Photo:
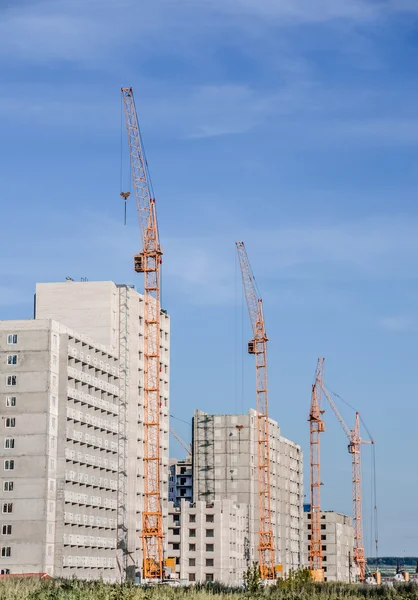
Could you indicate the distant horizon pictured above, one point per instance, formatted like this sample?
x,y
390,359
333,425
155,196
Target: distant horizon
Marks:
x,y
373,558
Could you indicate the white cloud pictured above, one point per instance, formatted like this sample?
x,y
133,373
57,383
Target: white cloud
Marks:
x,y
207,110
379,249
89,32
373,247
189,111
120,36
53,31
295,266
190,266
215,110
299,110
321,11
305,10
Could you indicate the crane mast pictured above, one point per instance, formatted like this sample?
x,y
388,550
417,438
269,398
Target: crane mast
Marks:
x,y
354,448
148,261
316,426
258,347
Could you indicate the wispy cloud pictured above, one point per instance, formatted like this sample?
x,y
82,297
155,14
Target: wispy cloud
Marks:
x,y
89,32
213,110
294,100
380,247
299,110
92,31
54,108
306,11
320,11
293,258
373,249
208,110
296,266
86,32
189,112
398,323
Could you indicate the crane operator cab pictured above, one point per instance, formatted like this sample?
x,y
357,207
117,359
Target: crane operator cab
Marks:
x,y
251,347
139,263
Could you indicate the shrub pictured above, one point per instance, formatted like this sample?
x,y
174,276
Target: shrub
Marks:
x,y
252,579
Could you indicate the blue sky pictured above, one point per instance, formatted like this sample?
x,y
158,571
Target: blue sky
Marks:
x,y
290,125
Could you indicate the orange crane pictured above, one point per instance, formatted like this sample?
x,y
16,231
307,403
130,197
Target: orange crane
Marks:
x,y
258,347
316,426
148,261
354,448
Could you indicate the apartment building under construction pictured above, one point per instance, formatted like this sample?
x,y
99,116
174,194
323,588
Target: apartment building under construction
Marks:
x,y
225,467
71,402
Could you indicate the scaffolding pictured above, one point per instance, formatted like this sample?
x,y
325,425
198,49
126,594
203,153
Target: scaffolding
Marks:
x,y
122,544
206,450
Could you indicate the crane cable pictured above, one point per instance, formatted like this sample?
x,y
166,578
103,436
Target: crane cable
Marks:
x,y
152,196
181,420
146,167
124,195
376,530
239,352
121,146
236,344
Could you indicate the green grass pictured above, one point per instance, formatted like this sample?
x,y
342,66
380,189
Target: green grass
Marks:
x,y
60,589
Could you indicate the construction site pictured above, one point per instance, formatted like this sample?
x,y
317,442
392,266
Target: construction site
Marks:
x,y
89,489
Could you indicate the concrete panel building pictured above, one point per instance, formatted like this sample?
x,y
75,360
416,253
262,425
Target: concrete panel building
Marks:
x,y
225,467
209,542
76,406
59,443
337,536
180,481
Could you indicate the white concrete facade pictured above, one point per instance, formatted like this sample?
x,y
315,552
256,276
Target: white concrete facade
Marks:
x,y
337,536
180,485
59,454
114,315
209,542
225,466
65,387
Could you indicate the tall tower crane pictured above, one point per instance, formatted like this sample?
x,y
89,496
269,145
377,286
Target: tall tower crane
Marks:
x,y
316,426
148,261
354,448
258,347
